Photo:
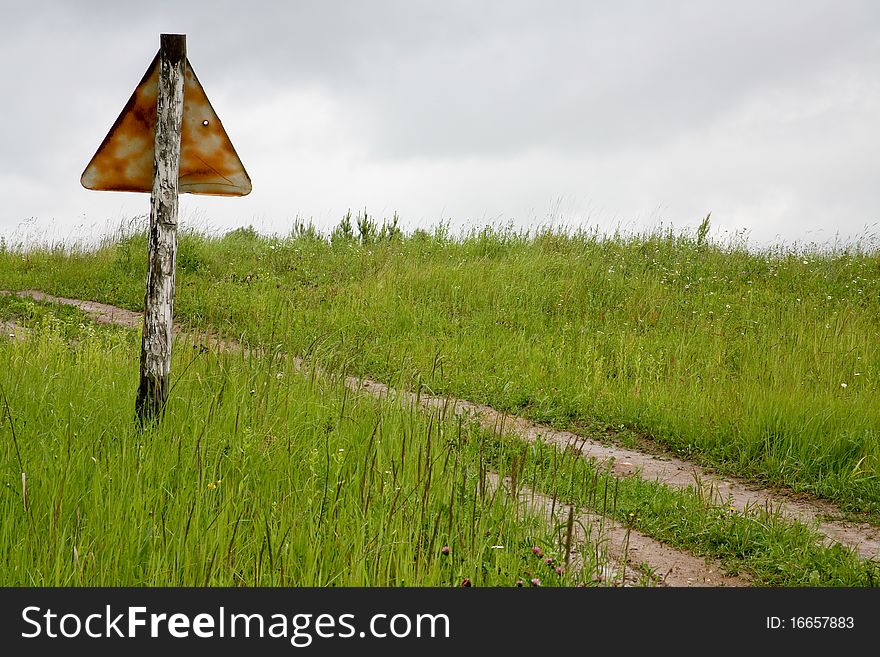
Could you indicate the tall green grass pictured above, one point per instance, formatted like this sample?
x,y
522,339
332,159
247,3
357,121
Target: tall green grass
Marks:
x,y
286,438
765,364
258,475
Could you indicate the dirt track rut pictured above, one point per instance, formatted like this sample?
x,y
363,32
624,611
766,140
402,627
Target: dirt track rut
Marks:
x,y
626,550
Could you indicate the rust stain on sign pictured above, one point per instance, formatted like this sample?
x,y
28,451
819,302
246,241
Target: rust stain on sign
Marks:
x,y
208,161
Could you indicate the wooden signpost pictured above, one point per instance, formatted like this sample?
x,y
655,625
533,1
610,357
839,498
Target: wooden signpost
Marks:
x,y
167,140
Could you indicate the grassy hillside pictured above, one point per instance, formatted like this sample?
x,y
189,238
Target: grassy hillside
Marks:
x,y
257,476
263,474
762,364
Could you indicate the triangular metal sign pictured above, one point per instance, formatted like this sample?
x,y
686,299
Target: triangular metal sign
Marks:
x,y
208,161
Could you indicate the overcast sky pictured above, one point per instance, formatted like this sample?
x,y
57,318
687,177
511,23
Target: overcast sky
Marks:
x,y
609,114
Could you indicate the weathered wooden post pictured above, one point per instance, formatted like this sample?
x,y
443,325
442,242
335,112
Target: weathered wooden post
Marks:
x,y
167,140
162,256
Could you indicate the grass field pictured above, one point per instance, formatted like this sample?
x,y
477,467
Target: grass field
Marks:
x,y
765,365
760,364
257,476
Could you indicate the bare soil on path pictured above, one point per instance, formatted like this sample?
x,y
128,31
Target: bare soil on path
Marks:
x,y
633,557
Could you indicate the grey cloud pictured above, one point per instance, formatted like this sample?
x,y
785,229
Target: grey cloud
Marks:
x,y
602,83
414,83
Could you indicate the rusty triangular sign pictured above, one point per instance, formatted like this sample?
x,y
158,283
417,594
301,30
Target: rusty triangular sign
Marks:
x,y
208,161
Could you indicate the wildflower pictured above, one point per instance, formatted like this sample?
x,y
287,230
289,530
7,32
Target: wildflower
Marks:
x,y
548,561
466,582
538,552
558,570
843,385
444,550
535,581
519,583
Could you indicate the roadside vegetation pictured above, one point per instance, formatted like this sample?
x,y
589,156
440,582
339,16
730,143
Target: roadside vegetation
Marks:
x,y
259,475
